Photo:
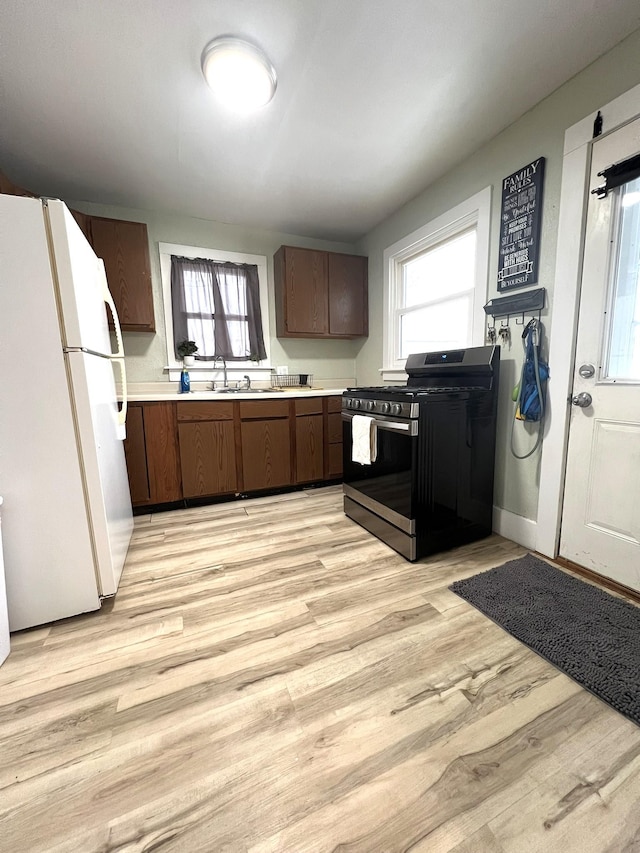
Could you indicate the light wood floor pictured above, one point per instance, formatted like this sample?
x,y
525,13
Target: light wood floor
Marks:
x,y
272,678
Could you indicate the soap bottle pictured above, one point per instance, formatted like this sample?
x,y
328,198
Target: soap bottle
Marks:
x,y
185,382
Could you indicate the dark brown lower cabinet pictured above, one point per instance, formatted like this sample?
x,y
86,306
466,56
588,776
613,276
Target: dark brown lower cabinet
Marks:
x,y
151,451
309,449
199,449
333,468
207,458
309,438
206,437
266,454
136,455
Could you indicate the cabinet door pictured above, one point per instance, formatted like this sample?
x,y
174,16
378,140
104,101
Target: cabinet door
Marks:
x,y
334,439
348,303
303,291
309,449
334,467
163,462
83,221
334,422
136,456
207,457
124,248
266,454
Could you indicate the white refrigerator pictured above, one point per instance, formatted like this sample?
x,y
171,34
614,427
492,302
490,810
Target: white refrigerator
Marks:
x,y
67,520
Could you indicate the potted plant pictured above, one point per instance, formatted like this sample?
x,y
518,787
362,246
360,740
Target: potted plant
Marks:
x,y
186,350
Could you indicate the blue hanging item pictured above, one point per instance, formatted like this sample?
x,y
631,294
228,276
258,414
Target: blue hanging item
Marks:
x,y
185,382
529,394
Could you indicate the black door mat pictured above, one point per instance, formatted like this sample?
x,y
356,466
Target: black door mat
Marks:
x,y
591,636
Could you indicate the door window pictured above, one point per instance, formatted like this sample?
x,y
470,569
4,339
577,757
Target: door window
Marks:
x,y
622,358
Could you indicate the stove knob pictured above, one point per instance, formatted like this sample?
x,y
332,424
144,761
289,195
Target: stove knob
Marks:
x,y
347,402
385,407
396,409
370,405
355,404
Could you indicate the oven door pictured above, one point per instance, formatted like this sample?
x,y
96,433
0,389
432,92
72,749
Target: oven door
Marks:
x,y
386,487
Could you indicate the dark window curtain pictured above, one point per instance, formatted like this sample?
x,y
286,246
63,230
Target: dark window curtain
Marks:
x,y
217,305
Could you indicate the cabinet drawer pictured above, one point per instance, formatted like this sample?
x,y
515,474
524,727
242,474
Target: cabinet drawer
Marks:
x,y
334,404
198,411
251,410
309,406
334,428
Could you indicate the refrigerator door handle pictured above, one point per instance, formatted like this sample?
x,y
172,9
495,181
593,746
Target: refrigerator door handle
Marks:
x,y
122,414
118,356
108,298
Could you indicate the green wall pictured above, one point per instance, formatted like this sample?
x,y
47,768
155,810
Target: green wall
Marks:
x,y
146,353
540,132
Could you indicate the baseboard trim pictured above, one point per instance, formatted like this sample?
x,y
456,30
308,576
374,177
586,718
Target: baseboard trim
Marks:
x,y
519,529
599,580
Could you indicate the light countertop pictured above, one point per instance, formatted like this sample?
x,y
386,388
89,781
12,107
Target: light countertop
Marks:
x,y
171,393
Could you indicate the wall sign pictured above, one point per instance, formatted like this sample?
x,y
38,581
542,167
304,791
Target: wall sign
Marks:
x,y
520,227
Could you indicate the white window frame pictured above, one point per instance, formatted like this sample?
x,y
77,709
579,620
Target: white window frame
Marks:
x,y
476,210
205,370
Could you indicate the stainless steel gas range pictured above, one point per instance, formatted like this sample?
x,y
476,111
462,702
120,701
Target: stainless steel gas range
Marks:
x,y
430,484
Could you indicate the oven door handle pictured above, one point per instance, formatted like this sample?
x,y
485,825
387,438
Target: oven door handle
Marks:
x,y
408,427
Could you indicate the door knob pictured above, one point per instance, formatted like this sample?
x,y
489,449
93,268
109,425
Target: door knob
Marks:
x,y
582,400
586,371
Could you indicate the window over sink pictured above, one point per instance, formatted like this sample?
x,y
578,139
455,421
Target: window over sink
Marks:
x,y
217,304
220,301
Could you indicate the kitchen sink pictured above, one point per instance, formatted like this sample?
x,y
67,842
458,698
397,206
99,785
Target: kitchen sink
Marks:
x,y
241,390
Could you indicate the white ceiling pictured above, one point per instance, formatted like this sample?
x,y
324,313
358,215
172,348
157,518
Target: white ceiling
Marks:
x,y
103,100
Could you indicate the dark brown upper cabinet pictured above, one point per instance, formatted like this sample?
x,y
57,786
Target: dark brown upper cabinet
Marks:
x,y
348,302
320,294
124,248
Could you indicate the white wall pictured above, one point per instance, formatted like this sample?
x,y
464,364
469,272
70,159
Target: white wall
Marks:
x,y
146,353
540,132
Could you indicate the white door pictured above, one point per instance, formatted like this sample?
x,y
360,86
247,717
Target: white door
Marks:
x,y
601,512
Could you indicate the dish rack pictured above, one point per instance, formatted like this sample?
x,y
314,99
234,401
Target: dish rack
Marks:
x,y
291,380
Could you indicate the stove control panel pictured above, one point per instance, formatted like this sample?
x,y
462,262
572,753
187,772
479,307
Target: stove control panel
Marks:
x,y
379,407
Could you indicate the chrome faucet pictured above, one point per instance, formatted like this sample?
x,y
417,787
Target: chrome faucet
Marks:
x,y
224,370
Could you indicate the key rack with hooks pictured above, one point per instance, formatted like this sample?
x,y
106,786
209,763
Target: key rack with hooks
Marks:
x,y
519,306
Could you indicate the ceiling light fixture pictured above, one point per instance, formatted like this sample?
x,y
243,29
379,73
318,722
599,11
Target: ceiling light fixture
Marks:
x,y
239,73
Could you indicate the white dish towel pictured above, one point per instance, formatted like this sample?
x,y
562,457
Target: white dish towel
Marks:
x,y
364,439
